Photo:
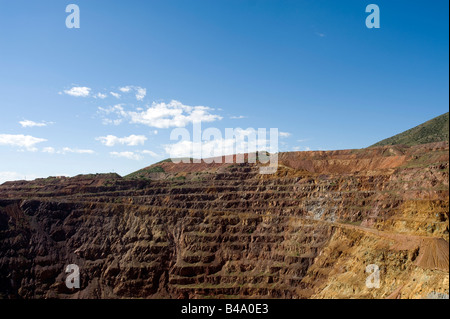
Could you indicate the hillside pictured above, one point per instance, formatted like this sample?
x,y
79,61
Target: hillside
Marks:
x,y
435,130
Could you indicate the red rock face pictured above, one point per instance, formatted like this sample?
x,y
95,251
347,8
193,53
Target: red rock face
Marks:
x,y
223,230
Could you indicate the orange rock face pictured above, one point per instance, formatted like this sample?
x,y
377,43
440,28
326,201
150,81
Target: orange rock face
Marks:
x,y
224,230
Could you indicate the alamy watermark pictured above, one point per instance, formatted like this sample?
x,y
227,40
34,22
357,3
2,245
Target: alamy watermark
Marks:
x,y
237,146
373,19
373,280
73,19
437,295
73,279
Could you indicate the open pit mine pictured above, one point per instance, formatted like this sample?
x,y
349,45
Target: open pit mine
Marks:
x,y
318,228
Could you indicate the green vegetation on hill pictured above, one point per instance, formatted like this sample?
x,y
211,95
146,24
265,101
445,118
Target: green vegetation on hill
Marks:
x,y
155,168
143,172
435,130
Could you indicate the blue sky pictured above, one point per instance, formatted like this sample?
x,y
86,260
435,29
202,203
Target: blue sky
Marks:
x,y
312,69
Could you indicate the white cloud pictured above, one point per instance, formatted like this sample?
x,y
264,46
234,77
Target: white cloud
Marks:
x,y
118,109
128,155
125,89
14,176
100,96
111,122
131,140
160,115
24,141
116,95
284,134
173,114
28,123
49,150
82,91
140,92
151,153
238,117
78,91
66,150
77,151
137,156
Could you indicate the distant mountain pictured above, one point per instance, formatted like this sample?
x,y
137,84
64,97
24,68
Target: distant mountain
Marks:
x,y
435,130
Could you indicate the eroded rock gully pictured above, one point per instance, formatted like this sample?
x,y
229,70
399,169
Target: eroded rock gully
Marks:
x,y
221,230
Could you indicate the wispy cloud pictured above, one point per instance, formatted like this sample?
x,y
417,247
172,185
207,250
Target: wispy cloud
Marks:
x,y
78,91
284,134
100,96
49,150
128,155
136,155
132,140
116,109
140,92
238,117
28,123
65,150
112,122
116,95
151,153
23,141
83,91
75,150
125,89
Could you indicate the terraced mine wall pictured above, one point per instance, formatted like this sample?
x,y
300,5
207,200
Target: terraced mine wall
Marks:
x,y
225,231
